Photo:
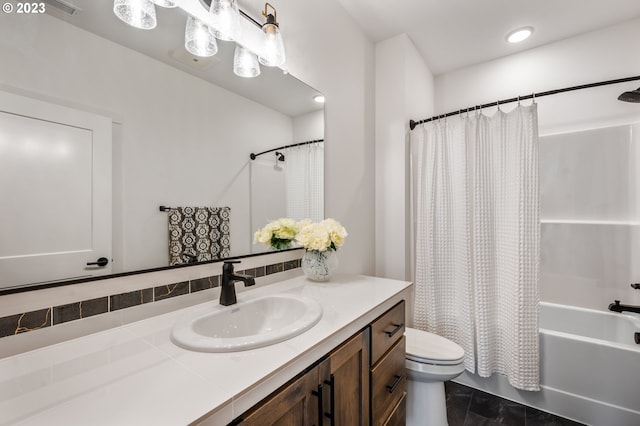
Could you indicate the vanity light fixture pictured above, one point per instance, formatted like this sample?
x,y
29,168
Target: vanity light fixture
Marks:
x,y
226,19
169,4
319,99
245,63
199,39
137,13
518,35
224,24
273,54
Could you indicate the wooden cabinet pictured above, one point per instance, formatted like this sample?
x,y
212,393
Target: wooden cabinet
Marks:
x,y
362,382
295,404
388,376
345,379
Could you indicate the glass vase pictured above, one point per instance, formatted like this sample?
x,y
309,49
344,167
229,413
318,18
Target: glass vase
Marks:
x,y
319,265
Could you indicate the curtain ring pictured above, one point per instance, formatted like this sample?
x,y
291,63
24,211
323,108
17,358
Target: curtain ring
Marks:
x,y
533,97
518,100
498,105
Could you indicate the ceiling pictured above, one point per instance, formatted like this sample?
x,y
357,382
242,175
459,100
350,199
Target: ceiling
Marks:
x,y
452,34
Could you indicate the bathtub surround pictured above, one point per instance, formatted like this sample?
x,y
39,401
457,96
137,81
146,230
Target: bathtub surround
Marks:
x,y
588,367
478,239
37,311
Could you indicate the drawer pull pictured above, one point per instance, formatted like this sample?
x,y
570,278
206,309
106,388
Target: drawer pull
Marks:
x,y
392,387
397,327
330,415
318,393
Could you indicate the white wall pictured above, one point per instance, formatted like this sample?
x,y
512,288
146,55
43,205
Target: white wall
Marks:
x,y
327,50
178,140
308,127
404,90
600,55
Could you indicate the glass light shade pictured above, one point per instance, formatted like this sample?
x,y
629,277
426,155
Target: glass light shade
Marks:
x,y
199,39
273,54
137,13
245,63
225,19
166,3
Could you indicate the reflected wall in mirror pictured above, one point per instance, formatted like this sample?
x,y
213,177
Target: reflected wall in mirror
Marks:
x,y
181,130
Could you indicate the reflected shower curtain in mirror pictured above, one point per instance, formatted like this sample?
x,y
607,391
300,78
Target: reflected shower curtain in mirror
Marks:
x,y
477,236
304,179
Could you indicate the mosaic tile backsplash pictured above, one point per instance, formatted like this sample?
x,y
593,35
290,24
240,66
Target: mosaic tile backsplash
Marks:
x,y
54,315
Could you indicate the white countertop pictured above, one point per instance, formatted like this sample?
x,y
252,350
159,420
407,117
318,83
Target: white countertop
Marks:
x,y
134,374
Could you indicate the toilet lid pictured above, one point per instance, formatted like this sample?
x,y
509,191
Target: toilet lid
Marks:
x,y
430,348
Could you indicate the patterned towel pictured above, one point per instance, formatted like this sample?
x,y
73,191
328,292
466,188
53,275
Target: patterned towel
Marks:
x,y
198,234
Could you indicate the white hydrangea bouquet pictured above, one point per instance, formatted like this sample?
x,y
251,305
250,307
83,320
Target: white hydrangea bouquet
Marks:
x,y
319,239
321,236
278,234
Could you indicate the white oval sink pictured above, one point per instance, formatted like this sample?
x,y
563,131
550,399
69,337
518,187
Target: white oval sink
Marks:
x,y
246,325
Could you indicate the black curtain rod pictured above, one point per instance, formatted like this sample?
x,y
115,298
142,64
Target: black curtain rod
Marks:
x,y
413,124
254,156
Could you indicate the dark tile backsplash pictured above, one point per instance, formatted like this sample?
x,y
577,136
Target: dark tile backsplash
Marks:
x,y
205,283
28,321
78,310
170,290
132,298
47,316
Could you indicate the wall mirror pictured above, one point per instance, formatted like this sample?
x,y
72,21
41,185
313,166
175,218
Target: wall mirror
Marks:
x,y
85,97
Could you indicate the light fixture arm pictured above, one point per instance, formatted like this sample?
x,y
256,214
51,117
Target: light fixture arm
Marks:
x,y
271,18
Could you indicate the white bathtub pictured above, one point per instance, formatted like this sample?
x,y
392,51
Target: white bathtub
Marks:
x,y
589,367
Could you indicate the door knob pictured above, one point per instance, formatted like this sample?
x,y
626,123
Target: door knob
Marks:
x,y
100,262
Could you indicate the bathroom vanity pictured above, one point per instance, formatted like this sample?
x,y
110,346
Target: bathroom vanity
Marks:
x,y
349,366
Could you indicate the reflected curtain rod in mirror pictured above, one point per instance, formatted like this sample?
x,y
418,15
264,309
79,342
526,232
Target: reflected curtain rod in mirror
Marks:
x,y
254,156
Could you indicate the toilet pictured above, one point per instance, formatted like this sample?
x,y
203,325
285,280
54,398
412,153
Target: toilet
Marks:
x,y
430,361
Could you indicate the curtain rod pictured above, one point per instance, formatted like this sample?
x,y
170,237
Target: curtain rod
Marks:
x,y
254,156
413,124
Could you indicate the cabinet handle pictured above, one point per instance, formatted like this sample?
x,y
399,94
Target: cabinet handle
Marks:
x,y
318,393
397,328
393,386
332,400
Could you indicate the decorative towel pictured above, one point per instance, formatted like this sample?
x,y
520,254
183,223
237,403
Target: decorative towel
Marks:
x,y
198,234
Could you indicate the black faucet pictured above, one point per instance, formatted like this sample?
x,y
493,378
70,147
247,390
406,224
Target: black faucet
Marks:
x,y
228,289
617,307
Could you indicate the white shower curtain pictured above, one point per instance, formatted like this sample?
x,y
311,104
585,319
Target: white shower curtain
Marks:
x,y
477,236
304,179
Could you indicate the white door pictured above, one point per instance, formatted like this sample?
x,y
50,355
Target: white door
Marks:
x,y
55,192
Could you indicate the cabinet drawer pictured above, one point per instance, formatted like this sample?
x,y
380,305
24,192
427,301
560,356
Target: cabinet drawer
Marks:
x,y
386,330
399,415
388,382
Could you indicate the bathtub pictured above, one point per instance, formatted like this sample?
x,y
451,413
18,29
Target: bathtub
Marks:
x,y
589,367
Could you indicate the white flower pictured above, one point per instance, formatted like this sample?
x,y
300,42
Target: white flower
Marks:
x,y
277,234
325,235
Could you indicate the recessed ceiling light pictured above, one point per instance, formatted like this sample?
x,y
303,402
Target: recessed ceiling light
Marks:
x,y
521,34
319,99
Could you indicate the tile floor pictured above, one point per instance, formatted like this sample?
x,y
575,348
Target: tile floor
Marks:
x,y
470,407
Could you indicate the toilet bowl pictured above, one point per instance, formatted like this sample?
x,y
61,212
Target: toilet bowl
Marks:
x,y
430,361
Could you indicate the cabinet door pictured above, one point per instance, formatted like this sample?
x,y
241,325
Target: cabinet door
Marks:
x,y
345,380
294,405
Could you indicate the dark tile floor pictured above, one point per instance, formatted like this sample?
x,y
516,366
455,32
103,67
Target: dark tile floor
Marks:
x,y
470,407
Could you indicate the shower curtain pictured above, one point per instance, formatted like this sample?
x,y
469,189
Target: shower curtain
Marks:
x,y
304,179
477,236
